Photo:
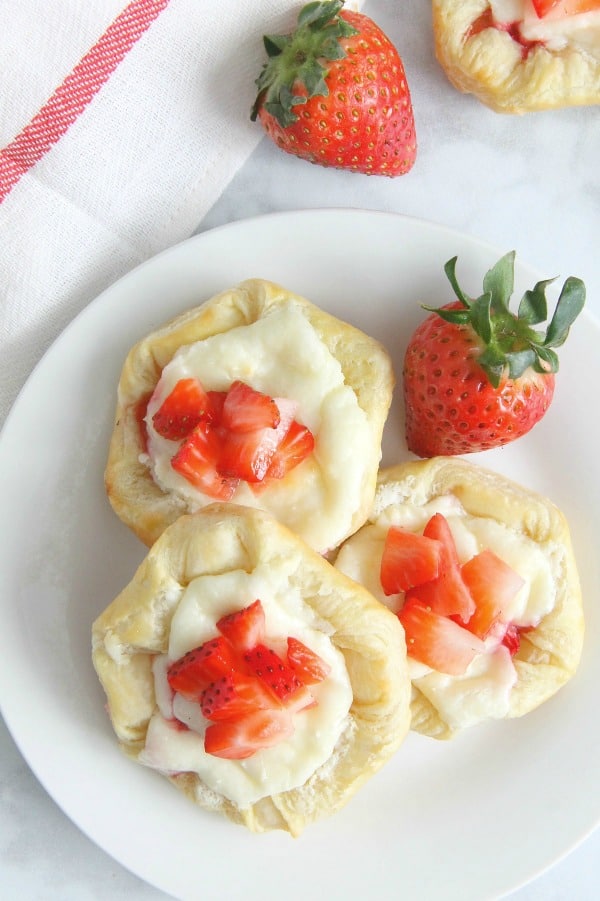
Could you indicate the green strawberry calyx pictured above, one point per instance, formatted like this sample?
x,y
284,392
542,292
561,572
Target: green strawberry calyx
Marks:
x,y
295,60
510,342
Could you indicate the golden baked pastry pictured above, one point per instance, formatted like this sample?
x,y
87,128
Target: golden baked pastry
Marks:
x,y
281,344
213,563
540,624
514,61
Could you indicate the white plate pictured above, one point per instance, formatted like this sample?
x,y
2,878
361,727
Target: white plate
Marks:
x,y
468,819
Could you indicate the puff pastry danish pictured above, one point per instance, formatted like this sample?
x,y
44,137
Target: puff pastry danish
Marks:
x,y
521,648
339,380
515,61
214,563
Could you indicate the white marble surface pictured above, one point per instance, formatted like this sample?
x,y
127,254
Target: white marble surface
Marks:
x,y
529,184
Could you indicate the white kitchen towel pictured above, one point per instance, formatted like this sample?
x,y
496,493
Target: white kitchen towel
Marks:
x,y
120,125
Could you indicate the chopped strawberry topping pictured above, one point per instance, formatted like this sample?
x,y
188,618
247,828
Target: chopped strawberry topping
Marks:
x,y
235,695
245,628
408,559
308,666
297,444
244,687
447,595
563,8
183,409
512,639
246,410
447,616
248,455
241,738
493,585
231,435
191,674
195,461
437,641
216,402
275,672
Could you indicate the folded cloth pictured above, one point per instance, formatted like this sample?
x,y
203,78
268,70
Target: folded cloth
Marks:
x,y
120,126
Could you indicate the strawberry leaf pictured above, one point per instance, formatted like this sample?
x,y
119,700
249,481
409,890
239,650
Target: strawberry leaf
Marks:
x,y
520,360
275,43
510,344
499,282
318,14
569,306
547,360
534,306
481,317
450,270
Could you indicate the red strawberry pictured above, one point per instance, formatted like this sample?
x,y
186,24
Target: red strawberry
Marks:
x,y
191,674
408,559
183,409
512,639
240,738
265,663
216,402
334,92
246,410
562,8
437,641
297,444
477,376
493,585
235,695
248,455
308,666
244,628
196,461
447,595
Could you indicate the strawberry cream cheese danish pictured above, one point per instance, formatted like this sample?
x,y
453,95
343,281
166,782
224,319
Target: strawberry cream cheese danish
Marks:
x,y
243,666
518,56
256,397
481,574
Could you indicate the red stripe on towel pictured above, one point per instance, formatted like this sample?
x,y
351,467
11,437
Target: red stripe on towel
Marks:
x,y
76,91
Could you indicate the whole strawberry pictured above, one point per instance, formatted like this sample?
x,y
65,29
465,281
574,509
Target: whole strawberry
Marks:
x,y
476,375
334,93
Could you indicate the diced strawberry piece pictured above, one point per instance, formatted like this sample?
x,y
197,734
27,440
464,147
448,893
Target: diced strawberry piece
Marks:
x,y
235,695
248,455
493,585
182,410
241,738
216,401
246,410
265,663
191,674
563,8
196,462
308,666
436,641
245,628
295,447
448,595
512,639
408,559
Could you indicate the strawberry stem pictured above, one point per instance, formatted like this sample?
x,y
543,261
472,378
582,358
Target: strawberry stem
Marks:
x,y
510,344
295,71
